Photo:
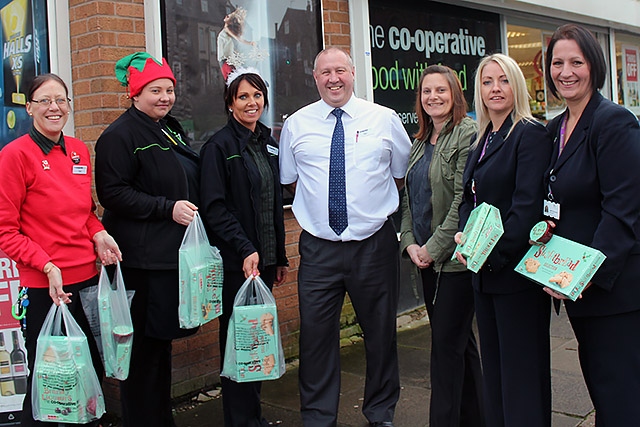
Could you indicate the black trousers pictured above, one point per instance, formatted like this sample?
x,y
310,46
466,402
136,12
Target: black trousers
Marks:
x,y
145,395
516,357
39,305
456,375
368,271
609,354
240,401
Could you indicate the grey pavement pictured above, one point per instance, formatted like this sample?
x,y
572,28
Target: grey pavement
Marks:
x,y
280,399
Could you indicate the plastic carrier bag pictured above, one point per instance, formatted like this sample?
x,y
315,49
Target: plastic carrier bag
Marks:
x,y
200,277
253,350
116,327
65,386
89,298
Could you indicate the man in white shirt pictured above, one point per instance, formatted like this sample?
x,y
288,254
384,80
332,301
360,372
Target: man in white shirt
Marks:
x,y
348,243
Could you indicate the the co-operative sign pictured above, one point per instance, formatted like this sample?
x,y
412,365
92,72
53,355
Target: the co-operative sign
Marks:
x,y
406,37
427,41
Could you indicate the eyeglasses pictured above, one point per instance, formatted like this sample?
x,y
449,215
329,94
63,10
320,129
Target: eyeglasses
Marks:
x,y
45,102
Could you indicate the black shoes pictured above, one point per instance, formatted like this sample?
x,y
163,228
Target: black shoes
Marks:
x,y
381,424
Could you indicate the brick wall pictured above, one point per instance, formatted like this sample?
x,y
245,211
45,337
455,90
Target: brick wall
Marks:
x,y
101,33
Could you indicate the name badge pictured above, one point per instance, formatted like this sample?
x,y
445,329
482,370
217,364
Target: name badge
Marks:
x,y
79,170
361,133
551,209
272,150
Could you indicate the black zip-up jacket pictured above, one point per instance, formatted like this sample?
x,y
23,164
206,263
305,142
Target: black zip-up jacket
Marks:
x,y
139,178
230,192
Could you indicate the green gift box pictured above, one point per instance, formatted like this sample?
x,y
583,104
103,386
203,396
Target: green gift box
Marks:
x,y
256,342
480,235
562,265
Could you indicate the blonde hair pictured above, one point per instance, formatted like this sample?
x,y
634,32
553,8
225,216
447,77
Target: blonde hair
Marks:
x,y
521,107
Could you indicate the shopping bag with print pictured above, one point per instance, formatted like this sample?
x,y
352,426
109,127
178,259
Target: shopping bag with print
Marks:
x,y
116,327
65,387
253,351
200,277
90,306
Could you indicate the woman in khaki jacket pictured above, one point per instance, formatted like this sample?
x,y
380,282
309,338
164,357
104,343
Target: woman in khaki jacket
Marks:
x,y
429,221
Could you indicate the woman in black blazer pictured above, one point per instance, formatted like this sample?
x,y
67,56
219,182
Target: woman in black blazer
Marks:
x,y
593,181
505,169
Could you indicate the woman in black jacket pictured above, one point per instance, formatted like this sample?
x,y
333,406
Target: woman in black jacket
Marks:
x,y
242,210
592,195
147,181
505,169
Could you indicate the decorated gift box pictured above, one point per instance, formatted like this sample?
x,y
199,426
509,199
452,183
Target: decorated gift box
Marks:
x,y
560,264
256,342
480,235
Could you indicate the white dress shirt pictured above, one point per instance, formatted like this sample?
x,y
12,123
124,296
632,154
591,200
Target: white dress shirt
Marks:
x,y
376,151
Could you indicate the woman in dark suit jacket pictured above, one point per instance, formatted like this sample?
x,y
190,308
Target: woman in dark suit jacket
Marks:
x,y
505,169
593,177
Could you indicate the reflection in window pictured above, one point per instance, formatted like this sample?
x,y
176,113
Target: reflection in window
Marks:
x,y
201,42
212,42
270,32
525,46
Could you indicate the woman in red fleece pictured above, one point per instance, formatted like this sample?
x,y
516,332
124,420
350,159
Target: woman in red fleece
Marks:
x,y
47,219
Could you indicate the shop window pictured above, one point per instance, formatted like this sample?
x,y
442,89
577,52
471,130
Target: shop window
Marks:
x,y
627,59
272,32
527,45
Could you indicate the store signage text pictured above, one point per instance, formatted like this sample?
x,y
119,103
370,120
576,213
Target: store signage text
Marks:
x,y
14,49
459,43
632,65
397,78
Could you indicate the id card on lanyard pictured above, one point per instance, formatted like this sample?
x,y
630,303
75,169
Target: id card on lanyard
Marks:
x,y
551,209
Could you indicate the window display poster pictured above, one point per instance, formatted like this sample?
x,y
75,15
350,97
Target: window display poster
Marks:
x,y
207,40
13,360
24,55
630,83
408,36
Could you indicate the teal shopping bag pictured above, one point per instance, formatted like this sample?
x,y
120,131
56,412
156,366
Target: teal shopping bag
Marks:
x,y
200,277
65,386
116,327
253,351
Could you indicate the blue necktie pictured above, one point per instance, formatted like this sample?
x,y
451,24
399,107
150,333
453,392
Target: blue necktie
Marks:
x,y
337,186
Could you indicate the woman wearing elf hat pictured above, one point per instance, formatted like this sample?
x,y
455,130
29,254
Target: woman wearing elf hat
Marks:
x,y
242,211
146,179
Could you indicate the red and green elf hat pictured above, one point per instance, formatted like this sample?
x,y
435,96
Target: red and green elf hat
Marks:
x,y
140,68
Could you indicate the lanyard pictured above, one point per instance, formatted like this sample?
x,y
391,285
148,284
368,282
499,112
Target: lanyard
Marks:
x,y
563,131
172,136
487,142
